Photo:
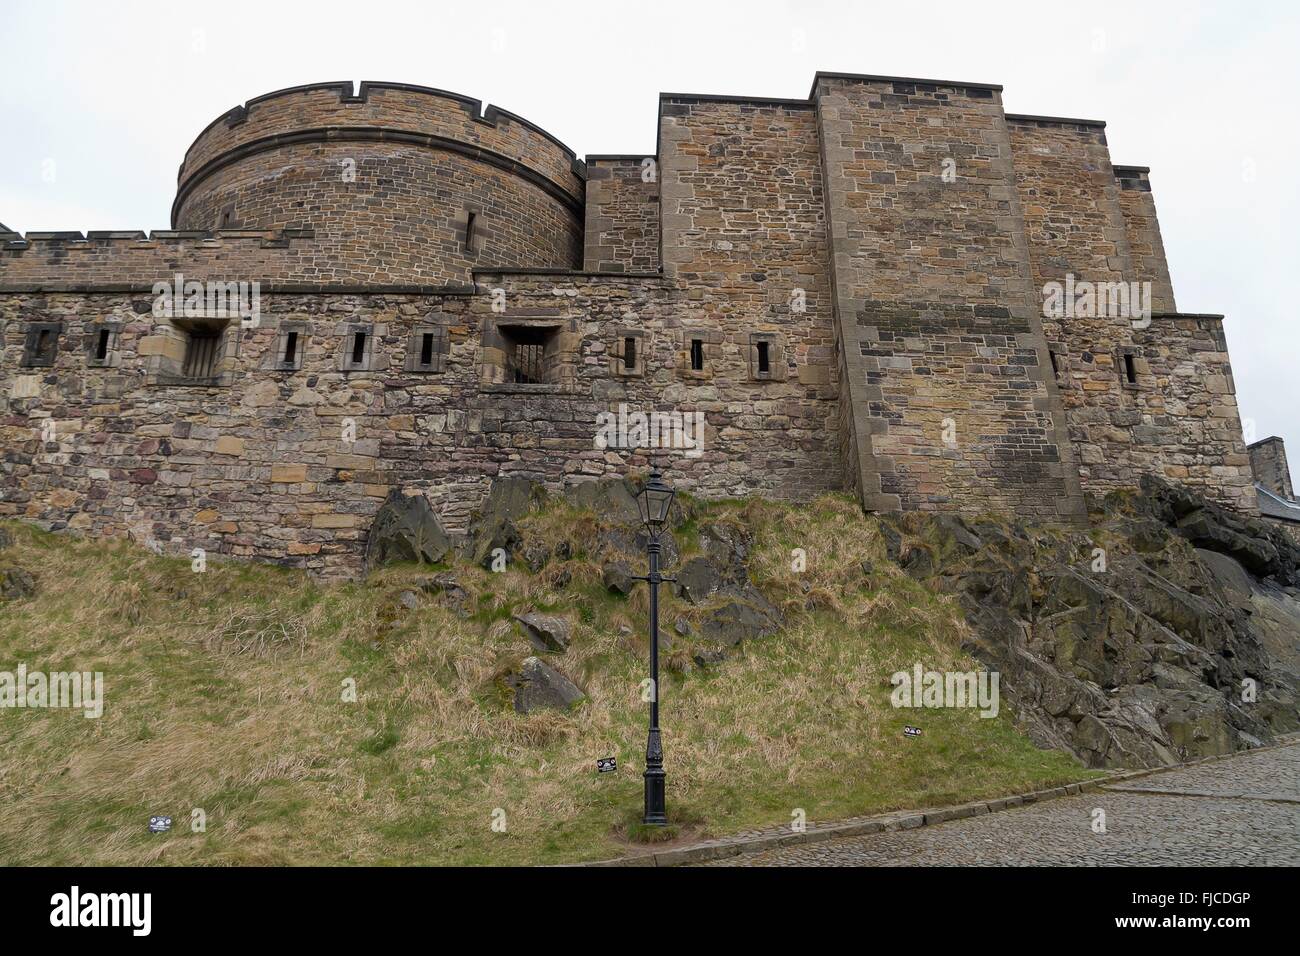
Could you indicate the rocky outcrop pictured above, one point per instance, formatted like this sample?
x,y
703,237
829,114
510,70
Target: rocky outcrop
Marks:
x,y
538,686
494,528
1167,632
736,611
406,529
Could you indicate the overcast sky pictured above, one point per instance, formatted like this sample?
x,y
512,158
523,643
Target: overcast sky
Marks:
x,y
100,101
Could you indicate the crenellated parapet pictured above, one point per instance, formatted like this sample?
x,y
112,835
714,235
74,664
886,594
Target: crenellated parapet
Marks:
x,y
133,260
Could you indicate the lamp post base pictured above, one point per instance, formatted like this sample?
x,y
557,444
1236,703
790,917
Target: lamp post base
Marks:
x,y
655,811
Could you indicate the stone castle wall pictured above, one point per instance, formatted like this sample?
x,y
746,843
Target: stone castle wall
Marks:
x,y
1269,466
847,288
261,467
388,178
937,313
622,226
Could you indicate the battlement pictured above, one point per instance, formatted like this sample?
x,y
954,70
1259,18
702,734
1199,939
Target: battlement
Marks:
x,y
268,238
134,259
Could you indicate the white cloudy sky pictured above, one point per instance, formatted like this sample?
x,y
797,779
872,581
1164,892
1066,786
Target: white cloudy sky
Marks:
x,y
1204,93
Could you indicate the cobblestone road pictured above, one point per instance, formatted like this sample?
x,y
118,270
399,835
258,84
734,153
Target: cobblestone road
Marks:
x,y
1243,811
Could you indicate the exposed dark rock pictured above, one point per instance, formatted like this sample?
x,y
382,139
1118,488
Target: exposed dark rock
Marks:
x,y
406,529
683,627
445,583
546,632
510,498
618,577
409,600
16,583
499,537
447,587
615,543
1141,663
537,685
708,656
610,499
535,555
493,528
698,580
735,622
1258,546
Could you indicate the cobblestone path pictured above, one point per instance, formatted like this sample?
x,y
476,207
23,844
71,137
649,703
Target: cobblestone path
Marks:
x,y
1243,811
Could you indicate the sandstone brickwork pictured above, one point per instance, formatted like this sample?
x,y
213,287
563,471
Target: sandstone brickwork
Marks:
x,y
937,313
1269,466
846,289
622,226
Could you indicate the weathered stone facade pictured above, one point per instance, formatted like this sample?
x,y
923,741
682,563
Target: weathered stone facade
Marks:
x,y
1269,466
848,288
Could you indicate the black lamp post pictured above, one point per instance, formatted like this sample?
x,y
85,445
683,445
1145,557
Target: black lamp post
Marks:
x,y
655,499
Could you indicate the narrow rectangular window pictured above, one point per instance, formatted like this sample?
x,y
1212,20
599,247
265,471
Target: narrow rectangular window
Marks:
x,y
42,343
469,231
290,348
1056,365
697,355
101,350
359,348
764,364
426,349
629,352
1130,369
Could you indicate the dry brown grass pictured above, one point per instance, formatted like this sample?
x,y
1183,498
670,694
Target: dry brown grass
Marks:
x,y
224,692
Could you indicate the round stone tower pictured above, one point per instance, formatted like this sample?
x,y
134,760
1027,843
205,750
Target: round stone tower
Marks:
x,y
402,185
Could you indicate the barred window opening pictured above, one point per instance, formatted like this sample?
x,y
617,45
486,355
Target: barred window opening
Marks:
x,y
202,353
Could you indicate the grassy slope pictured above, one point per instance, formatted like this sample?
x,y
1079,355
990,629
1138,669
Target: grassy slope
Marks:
x,y
255,733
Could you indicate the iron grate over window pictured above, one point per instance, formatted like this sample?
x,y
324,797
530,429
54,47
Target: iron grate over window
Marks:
x,y
202,353
527,363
